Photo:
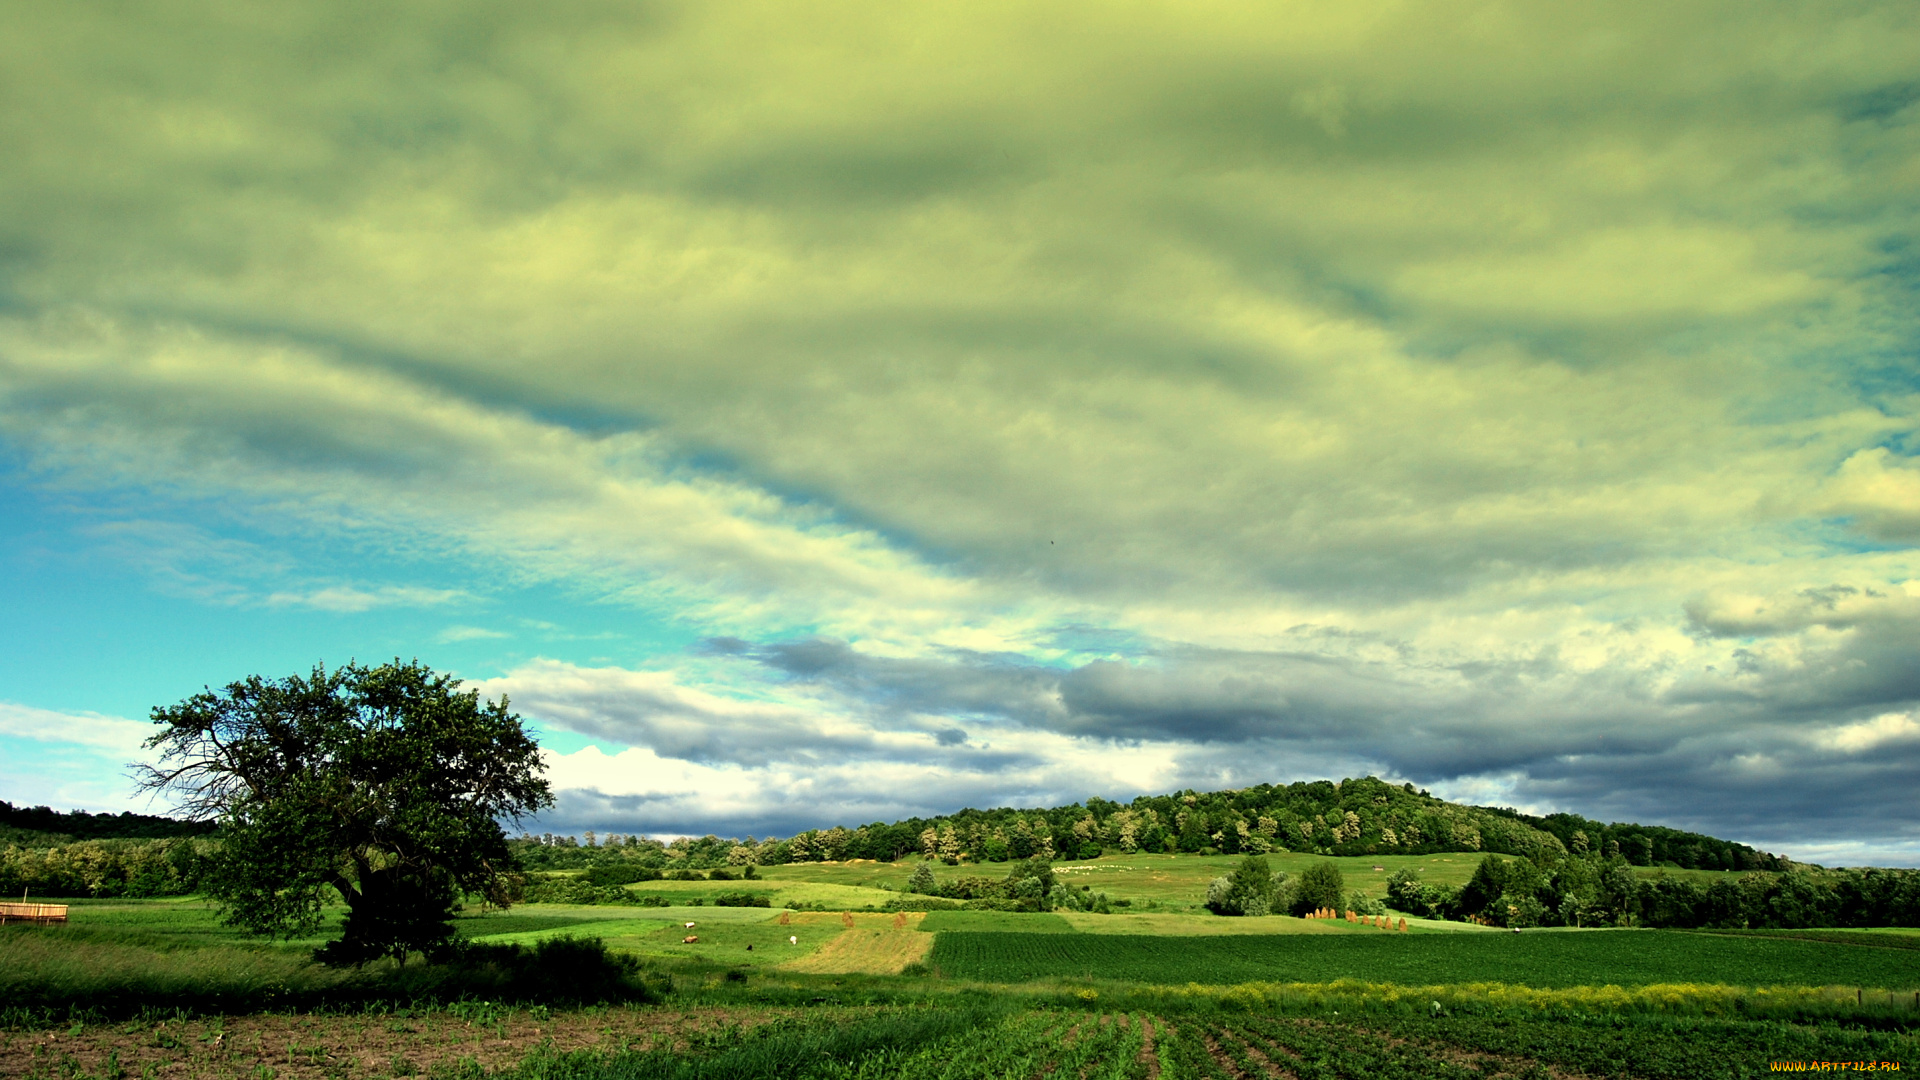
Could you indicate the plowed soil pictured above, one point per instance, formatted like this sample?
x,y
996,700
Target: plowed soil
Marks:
x,y
299,1047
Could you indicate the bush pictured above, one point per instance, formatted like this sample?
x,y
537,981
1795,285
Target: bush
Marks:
x,y
1361,904
1248,891
1320,886
579,890
922,880
920,903
562,970
741,899
607,874
721,875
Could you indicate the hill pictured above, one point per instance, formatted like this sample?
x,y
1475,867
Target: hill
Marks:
x,y
40,826
1354,817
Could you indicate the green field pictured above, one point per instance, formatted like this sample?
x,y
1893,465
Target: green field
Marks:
x,y
1158,989
1168,882
1540,959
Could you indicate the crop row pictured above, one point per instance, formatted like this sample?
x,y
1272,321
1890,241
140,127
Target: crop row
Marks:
x,y
997,1042
1468,1047
1541,959
939,1044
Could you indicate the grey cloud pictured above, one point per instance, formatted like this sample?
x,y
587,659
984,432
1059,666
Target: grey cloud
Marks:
x,y
674,723
1605,744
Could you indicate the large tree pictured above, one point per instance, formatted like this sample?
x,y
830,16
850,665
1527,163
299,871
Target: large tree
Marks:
x,y
387,784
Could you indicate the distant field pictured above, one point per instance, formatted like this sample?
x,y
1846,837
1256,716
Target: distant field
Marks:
x,y
1017,922
1548,960
1175,882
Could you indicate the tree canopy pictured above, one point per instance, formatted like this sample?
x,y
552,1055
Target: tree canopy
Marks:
x,y
387,784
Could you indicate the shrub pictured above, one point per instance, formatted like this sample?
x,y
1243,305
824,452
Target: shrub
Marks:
x,y
741,899
919,903
1320,886
922,880
721,875
1248,891
1361,904
563,970
620,874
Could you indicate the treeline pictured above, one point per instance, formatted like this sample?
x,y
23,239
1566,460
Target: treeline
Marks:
x,y
42,826
1349,817
1648,845
1586,890
105,868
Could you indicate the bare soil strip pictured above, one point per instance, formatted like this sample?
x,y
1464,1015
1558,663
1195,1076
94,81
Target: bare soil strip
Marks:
x,y
1223,1059
1148,1056
319,1047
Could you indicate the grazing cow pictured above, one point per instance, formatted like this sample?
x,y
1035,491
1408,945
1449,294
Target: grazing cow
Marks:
x,y
793,939
690,939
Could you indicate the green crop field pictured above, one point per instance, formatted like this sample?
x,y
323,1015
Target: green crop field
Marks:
x,y
1540,959
1173,882
1158,990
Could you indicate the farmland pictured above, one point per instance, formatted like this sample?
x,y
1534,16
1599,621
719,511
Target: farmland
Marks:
x,y
1160,990
1540,959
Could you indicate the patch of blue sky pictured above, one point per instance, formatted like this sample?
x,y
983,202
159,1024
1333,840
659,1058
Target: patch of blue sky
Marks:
x,y
67,776
104,615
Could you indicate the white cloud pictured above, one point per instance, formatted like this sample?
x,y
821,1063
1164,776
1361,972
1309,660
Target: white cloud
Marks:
x,y
1873,734
469,633
87,729
348,599
1454,394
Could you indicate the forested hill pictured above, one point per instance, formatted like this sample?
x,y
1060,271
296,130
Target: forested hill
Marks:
x,y
1348,817
39,825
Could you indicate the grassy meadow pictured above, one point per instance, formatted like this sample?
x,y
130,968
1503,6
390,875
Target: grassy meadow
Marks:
x,y
1158,989
1168,882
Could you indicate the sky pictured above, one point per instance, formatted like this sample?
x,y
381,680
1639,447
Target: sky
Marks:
x,y
834,412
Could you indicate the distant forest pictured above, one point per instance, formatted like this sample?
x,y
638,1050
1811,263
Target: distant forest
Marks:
x,y
40,825
81,854
1366,816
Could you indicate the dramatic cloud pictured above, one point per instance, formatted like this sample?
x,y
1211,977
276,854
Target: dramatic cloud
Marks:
x,y
863,407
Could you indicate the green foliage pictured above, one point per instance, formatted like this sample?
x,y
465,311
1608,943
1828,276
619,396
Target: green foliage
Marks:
x,y
1361,904
1352,817
741,899
920,903
41,826
105,868
922,880
384,784
560,970
1587,891
621,873
1321,886
545,889
1249,890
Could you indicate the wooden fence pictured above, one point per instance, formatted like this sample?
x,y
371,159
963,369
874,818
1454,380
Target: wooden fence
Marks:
x,y
33,913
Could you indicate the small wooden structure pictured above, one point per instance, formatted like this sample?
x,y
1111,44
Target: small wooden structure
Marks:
x,y
33,913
